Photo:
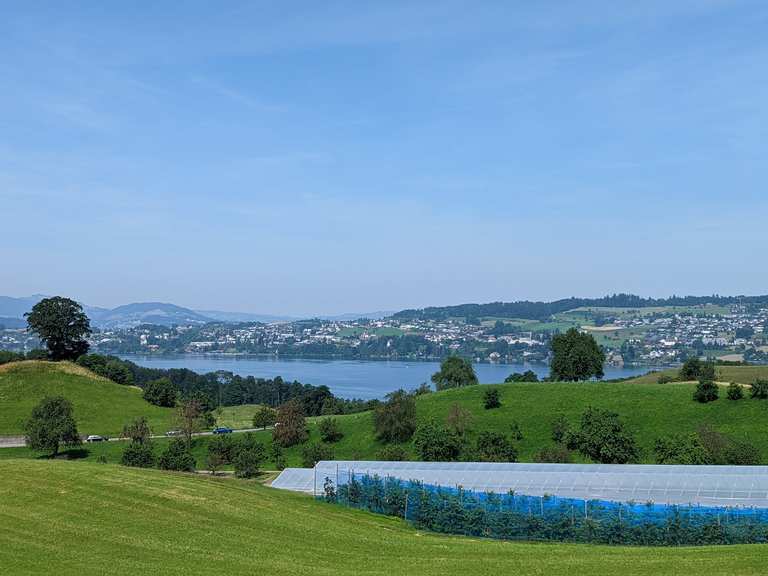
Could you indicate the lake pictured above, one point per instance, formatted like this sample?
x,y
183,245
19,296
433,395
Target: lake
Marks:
x,y
346,378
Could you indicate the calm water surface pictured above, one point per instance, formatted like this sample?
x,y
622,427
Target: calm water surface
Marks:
x,y
346,378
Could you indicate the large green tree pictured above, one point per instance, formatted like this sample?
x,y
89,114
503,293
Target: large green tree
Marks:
x,y
604,438
62,325
576,356
291,427
454,372
52,423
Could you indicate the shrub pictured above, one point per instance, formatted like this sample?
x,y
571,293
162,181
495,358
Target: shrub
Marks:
x,y
265,416
221,449
665,379
392,453
491,399
735,391
37,354
118,372
7,356
434,443
329,430
248,456
459,419
138,454
706,391
560,428
313,453
691,369
725,450
395,419
290,428
517,432
603,438
555,454
680,449
52,423
277,455
495,447
161,392
527,376
177,457
759,389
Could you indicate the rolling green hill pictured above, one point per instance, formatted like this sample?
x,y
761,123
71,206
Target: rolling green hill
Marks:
x,y
101,406
80,518
650,410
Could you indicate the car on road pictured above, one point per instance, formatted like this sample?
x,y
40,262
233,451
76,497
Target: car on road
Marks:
x,y
173,433
95,438
222,430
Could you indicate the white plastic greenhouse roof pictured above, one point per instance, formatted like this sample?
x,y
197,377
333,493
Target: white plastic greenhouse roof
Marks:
x,y
662,484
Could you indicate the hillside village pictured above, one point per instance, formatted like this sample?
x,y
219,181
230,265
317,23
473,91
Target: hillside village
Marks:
x,y
630,336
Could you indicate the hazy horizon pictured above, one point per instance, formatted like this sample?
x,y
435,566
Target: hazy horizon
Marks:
x,y
355,157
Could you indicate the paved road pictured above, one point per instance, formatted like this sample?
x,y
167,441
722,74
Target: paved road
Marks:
x,y
18,441
11,441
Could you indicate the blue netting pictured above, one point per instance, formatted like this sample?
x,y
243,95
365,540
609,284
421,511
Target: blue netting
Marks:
x,y
520,517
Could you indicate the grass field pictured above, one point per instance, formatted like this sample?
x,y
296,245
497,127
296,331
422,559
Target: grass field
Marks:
x,y
81,519
101,406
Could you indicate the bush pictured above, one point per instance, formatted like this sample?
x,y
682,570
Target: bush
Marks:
x,y
392,453
161,392
138,454
723,449
395,419
459,419
706,391
560,428
248,456
603,438
759,389
52,423
665,379
527,376
491,399
177,457
311,454
329,430
554,454
277,455
37,354
735,391
221,449
265,416
516,431
691,370
680,449
7,357
434,443
494,447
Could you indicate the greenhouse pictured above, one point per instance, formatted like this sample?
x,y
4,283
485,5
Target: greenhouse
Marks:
x,y
729,486
612,504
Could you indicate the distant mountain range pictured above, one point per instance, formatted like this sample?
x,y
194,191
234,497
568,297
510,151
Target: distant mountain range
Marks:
x,y
12,312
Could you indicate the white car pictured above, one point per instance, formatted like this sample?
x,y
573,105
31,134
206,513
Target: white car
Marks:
x,y
95,438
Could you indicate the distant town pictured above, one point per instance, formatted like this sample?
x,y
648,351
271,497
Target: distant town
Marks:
x,y
641,336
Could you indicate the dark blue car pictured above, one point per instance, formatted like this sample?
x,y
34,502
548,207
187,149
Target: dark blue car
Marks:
x,y
222,430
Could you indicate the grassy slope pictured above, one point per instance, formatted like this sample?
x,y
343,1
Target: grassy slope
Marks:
x,y
101,406
80,519
650,410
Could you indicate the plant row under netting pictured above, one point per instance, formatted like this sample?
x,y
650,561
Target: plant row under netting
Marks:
x,y
514,516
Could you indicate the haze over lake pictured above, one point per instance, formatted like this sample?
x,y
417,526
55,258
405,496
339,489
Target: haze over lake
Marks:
x,y
347,378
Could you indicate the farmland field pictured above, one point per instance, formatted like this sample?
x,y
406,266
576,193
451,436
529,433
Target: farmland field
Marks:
x,y
68,518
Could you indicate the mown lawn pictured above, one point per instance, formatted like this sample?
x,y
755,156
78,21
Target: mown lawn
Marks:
x,y
100,405
80,519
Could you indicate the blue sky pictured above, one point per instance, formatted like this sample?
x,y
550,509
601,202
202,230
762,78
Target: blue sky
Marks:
x,y
303,158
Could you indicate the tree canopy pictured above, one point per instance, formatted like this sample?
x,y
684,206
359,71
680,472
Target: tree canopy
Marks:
x,y
51,424
576,356
454,372
395,419
62,325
